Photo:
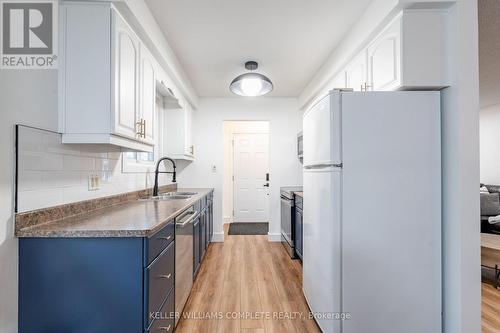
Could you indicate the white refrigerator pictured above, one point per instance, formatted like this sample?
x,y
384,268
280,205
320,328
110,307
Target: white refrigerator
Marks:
x,y
372,212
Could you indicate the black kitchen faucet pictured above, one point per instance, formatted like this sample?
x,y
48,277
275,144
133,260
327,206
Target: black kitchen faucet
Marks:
x,y
157,171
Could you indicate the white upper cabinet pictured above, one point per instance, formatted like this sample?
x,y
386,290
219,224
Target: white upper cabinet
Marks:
x,y
188,135
107,79
178,136
384,66
356,73
408,54
148,95
126,46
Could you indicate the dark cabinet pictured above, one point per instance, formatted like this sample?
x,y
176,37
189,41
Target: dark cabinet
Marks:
x,y
298,226
210,217
196,246
203,233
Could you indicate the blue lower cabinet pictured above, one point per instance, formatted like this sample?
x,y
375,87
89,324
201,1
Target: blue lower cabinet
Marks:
x,y
203,234
196,246
298,232
94,284
163,320
159,277
80,285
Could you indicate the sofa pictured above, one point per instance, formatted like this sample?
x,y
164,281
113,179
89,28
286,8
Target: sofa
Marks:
x,y
490,206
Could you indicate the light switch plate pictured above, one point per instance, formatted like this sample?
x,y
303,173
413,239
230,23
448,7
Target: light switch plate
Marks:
x,y
93,182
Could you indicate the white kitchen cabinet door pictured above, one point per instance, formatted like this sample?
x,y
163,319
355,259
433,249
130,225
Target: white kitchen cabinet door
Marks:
x,y
177,138
188,134
356,72
384,59
126,77
148,95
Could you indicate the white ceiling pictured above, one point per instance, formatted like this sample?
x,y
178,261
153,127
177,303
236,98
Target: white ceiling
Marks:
x,y
489,52
289,38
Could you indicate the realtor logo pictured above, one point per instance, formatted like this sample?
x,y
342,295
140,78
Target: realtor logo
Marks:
x,y
28,34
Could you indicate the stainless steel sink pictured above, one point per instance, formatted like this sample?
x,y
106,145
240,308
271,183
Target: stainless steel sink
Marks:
x,y
180,193
171,196
166,197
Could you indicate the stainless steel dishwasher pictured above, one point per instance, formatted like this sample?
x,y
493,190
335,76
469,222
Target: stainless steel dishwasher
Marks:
x,y
183,258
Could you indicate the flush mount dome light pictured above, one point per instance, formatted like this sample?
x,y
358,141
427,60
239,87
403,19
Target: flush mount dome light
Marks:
x,y
251,84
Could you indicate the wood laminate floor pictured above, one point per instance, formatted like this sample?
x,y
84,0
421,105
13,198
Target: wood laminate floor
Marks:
x,y
253,285
490,304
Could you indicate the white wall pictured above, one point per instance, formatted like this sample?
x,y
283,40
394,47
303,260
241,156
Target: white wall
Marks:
x,y
460,161
230,128
284,123
489,130
460,147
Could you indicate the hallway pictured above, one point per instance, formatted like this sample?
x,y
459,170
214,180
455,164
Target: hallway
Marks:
x,y
252,279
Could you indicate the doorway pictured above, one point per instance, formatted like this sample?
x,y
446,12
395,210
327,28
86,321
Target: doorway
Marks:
x,y
246,172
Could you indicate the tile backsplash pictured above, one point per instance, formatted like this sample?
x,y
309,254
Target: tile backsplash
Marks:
x,y
51,173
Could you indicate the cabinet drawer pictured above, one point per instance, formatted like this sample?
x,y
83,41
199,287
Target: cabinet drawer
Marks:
x,y
164,319
159,241
160,279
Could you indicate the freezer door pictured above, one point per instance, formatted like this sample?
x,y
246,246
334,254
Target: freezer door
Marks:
x,y
321,244
321,130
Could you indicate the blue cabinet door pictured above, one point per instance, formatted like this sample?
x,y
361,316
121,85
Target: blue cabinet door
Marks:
x,y
203,233
80,285
298,232
196,245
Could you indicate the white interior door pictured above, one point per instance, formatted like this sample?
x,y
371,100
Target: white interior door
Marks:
x,y
251,164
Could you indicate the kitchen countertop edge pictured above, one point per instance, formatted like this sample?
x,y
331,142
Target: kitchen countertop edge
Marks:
x,y
54,230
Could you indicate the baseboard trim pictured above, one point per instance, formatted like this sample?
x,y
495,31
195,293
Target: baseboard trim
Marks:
x,y
218,237
272,237
227,219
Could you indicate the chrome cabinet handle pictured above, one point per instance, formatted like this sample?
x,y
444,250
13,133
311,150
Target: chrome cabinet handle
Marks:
x,y
168,276
166,238
166,328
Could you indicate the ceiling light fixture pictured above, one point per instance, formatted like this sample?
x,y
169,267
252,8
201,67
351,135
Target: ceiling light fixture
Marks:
x,y
251,84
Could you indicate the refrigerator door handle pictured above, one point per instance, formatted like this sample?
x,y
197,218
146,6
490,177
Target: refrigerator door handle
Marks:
x,y
321,166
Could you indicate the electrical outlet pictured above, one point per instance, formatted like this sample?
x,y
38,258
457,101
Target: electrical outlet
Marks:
x,y
93,182
214,169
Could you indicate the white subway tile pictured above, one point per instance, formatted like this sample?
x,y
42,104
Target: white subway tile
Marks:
x,y
52,143
78,163
29,139
52,162
29,180
31,200
99,151
60,179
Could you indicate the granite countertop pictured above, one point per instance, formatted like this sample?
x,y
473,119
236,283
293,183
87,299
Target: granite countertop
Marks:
x,y
130,219
300,194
